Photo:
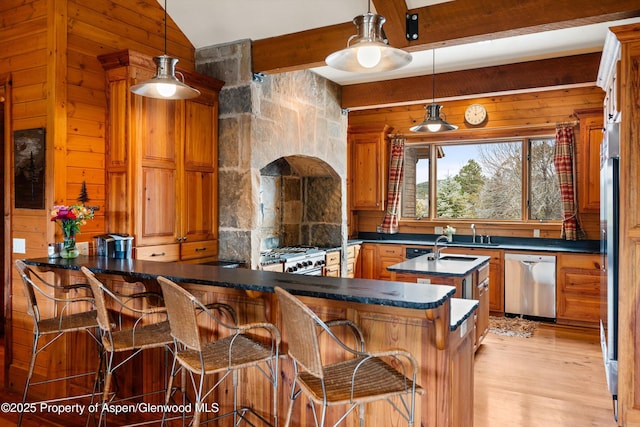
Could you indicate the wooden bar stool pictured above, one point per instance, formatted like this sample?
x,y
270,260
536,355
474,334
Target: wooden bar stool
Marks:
x,y
116,339
224,356
360,378
62,320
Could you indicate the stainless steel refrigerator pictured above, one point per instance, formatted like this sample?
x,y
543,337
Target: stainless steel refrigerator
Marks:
x,y
609,248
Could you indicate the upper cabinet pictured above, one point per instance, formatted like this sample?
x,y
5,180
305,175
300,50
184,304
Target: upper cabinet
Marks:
x,y
162,159
368,173
591,125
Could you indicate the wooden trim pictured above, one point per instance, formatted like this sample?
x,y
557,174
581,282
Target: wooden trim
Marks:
x,y
569,70
5,98
56,132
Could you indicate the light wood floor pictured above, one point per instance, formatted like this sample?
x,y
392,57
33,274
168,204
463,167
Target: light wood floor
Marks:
x,y
554,379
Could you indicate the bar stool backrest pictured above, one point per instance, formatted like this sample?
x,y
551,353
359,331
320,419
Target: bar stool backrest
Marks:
x,y
181,310
301,328
32,302
99,300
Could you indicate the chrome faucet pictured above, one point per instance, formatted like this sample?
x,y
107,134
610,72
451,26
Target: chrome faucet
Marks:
x,y
473,230
436,251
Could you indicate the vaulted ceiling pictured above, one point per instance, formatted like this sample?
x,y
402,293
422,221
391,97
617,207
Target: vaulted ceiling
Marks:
x,y
477,43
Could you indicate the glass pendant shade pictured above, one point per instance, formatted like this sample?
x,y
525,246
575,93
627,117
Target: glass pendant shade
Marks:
x,y
165,84
432,121
367,51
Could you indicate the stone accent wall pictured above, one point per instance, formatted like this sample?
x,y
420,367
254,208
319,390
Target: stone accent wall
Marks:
x,y
294,114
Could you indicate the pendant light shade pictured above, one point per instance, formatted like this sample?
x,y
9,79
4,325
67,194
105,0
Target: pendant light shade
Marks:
x,y
432,121
165,84
368,51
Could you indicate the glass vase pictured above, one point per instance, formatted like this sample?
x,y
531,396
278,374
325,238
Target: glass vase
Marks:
x,y
69,249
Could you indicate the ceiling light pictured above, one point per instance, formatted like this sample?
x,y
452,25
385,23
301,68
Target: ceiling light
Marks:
x,y
432,121
368,51
165,84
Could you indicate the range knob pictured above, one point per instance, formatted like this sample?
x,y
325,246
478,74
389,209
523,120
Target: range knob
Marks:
x,y
291,269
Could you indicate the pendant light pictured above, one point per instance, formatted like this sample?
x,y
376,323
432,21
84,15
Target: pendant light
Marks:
x,y
368,51
165,84
432,121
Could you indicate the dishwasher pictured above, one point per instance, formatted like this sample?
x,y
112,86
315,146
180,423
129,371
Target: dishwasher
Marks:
x,y
530,285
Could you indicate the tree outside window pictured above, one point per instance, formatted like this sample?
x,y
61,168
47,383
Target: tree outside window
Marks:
x,y
484,181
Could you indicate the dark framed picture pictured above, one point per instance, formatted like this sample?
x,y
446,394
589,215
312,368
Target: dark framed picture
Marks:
x,y
29,172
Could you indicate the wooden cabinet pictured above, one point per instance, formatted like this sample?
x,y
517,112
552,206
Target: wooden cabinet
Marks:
x,y
578,289
162,160
367,267
368,171
278,267
332,264
353,253
496,274
591,125
624,57
481,293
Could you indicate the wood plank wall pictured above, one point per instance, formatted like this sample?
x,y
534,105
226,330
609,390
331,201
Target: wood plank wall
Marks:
x,y
49,51
520,114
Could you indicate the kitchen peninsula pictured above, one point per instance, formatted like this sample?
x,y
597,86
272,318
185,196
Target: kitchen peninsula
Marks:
x,y
421,319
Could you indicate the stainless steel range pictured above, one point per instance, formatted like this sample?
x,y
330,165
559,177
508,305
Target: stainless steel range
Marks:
x,y
299,259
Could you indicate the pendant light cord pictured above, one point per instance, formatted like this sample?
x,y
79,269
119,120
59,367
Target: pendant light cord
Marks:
x,y
433,75
165,27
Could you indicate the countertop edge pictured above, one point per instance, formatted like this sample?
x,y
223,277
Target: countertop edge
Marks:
x,y
363,291
461,310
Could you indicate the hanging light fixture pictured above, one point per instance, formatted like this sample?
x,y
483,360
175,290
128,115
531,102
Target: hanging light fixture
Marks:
x,y
165,84
368,51
432,121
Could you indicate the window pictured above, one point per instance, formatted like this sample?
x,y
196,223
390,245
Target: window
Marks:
x,y
502,180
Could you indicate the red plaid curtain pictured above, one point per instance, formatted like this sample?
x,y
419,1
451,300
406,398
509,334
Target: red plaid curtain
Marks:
x,y
396,170
563,162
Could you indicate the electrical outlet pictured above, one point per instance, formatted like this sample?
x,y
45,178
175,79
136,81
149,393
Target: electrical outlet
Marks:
x,y
536,232
438,230
424,281
83,248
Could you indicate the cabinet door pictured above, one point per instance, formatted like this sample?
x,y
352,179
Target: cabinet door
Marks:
x,y
591,124
579,278
482,320
368,261
199,213
157,220
387,255
368,170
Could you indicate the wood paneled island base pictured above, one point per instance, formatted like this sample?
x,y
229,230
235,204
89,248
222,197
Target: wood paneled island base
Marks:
x,y
425,321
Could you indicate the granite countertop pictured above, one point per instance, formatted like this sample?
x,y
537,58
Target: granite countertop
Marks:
x,y
498,242
461,310
363,291
448,265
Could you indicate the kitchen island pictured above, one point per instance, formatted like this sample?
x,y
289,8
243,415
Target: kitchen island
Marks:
x,y
468,273
391,314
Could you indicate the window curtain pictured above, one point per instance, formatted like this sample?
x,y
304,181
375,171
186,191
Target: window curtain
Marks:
x,y
563,161
396,171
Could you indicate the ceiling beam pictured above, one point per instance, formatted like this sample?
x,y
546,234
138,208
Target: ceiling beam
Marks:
x,y
395,13
564,71
446,24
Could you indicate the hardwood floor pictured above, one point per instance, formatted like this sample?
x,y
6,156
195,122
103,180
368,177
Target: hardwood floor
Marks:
x,y
554,378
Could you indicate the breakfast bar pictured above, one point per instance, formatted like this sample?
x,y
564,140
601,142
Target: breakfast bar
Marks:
x,y
420,319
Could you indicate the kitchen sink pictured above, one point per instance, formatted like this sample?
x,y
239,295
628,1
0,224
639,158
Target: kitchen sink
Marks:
x,y
457,258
